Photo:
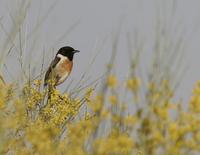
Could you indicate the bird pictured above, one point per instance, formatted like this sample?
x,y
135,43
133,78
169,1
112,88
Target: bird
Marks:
x,y
60,67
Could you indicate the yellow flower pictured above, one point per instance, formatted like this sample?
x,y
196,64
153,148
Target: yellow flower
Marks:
x,y
198,135
89,93
173,131
37,83
130,120
105,113
133,84
113,99
162,112
158,137
114,144
195,103
87,116
112,81
197,88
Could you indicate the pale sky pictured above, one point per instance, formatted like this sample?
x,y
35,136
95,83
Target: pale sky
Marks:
x,y
97,19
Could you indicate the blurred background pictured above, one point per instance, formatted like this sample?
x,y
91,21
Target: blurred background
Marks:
x,y
90,27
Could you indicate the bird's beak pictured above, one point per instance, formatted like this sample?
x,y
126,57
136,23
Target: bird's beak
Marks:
x,y
76,51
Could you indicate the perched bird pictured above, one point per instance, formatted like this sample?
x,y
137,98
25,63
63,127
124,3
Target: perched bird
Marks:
x,y
61,66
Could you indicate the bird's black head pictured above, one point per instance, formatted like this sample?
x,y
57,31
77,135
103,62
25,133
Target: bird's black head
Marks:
x,y
68,52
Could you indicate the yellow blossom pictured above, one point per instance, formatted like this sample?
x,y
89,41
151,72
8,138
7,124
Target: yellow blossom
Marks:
x,y
130,120
113,99
173,131
37,83
158,137
116,144
198,135
133,84
112,81
195,103
89,94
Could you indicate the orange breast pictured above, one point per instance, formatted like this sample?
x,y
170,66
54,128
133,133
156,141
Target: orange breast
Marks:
x,y
66,66
63,70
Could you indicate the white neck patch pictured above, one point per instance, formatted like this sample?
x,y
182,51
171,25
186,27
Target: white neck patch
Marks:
x,y
62,57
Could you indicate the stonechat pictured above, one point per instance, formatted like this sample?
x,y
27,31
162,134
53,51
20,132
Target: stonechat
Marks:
x,y
60,67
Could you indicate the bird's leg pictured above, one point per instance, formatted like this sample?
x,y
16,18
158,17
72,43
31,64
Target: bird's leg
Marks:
x,y
50,92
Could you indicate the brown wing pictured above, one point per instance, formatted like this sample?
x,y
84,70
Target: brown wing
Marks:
x,y
52,65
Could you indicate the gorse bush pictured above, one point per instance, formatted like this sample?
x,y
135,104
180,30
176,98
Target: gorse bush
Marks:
x,y
159,127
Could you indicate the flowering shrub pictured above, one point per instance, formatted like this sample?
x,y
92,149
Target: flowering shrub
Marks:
x,y
108,126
